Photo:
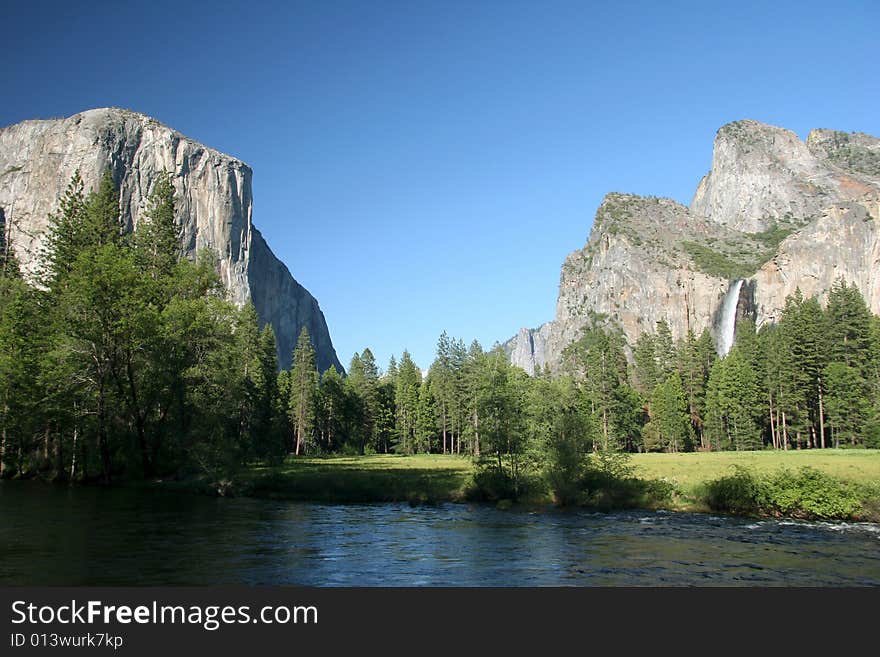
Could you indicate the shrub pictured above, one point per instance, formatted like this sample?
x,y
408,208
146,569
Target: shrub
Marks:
x,y
735,493
811,494
808,493
610,483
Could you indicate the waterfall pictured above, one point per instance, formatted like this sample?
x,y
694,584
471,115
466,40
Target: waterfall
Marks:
x,y
727,323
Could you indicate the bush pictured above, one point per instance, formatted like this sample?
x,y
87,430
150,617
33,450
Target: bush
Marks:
x,y
610,483
491,485
737,493
809,494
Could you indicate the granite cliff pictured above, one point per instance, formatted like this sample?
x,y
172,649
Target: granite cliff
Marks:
x,y
213,195
774,211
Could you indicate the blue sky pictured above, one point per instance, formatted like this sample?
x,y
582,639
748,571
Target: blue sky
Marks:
x,y
423,166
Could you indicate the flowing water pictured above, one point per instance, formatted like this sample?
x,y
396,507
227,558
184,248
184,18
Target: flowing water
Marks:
x,y
86,536
727,322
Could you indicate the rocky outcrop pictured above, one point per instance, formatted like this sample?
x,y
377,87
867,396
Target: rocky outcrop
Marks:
x,y
528,348
774,210
844,241
763,176
853,152
213,196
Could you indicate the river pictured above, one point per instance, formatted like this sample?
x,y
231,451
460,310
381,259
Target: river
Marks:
x,y
58,535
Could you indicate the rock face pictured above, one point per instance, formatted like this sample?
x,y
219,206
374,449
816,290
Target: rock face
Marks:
x,y
213,196
528,348
774,211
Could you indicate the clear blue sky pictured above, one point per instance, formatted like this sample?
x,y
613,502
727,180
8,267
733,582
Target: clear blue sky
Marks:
x,y
423,166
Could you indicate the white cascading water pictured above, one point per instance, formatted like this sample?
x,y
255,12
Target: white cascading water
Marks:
x,y
727,325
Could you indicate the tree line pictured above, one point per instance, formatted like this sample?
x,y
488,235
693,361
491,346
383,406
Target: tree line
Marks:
x,y
809,380
126,359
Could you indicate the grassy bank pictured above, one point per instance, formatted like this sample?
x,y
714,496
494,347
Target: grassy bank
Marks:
x,y
378,478
690,469
692,473
692,482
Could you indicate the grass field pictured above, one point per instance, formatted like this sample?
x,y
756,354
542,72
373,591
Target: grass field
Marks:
x,y
435,478
689,470
378,478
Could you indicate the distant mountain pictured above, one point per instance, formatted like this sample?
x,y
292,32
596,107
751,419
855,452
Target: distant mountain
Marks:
x,y
213,194
774,211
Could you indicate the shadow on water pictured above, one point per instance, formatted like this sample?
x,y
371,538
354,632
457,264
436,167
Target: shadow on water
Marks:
x,y
88,536
350,483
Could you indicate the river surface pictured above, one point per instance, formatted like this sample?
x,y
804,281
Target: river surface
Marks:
x,y
87,536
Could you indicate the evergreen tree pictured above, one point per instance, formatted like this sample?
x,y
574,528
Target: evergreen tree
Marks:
x,y
406,401
102,225
664,351
776,386
281,426
598,362
670,421
804,330
502,421
384,416
303,389
848,407
66,234
645,358
332,408
731,403
695,359
849,328
443,387
474,363
426,425
21,344
365,383
9,265
156,239
266,442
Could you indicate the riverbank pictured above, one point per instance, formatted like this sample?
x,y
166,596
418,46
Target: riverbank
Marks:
x,y
818,484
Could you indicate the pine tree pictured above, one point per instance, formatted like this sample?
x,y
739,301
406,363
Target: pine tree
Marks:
x,y
502,421
664,351
267,444
805,334
303,388
473,365
426,425
22,341
102,223
443,387
156,239
9,265
847,405
598,362
332,408
694,363
645,358
670,420
775,385
849,327
66,234
406,400
364,381
732,402
281,426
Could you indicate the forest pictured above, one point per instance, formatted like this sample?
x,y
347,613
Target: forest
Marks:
x,y
123,359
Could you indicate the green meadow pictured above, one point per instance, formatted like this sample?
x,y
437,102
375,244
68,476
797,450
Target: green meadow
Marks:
x,y
436,478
